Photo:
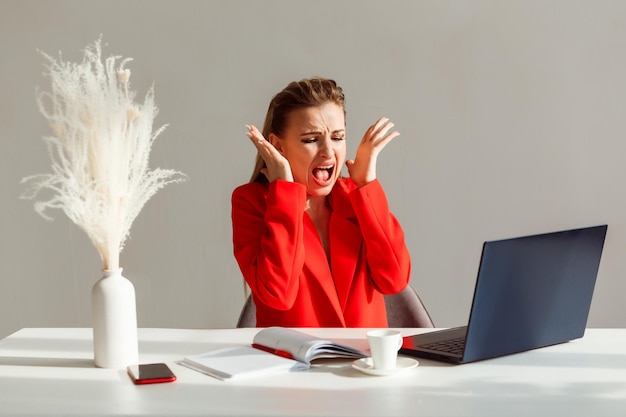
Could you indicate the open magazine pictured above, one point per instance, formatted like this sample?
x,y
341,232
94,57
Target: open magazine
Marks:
x,y
301,346
274,349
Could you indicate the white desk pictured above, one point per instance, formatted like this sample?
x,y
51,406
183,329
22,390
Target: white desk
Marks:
x,y
51,372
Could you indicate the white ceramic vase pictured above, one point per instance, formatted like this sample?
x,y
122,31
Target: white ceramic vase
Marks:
x,y
114,321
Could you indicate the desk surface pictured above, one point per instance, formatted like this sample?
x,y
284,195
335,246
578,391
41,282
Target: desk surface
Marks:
x,y
51,372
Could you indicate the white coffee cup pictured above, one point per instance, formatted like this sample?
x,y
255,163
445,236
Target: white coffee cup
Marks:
x,y
384,346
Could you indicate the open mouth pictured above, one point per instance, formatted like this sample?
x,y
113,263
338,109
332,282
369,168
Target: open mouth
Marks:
x,y
323,174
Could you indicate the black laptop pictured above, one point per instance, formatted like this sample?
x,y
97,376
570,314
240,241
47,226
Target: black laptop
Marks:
x,y
531,292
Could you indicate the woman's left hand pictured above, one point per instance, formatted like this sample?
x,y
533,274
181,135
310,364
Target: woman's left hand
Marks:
x,y
362,169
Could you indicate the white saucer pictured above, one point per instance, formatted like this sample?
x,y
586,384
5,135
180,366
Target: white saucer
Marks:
x,y
365,365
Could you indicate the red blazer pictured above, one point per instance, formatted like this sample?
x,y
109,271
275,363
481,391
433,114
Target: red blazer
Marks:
x,y
283,261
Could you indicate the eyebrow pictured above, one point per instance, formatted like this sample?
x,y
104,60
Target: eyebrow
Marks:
x,y
317,132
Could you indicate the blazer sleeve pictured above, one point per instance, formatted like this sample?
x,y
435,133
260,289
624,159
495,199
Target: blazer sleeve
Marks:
x,y
268,239
387,256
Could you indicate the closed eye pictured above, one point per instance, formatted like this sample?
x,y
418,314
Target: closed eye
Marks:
x,y
339,135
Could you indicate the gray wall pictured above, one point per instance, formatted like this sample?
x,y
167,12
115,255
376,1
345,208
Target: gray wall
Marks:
x,y
512,116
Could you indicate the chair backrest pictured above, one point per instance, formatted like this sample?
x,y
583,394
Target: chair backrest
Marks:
x,y
247,317
404,309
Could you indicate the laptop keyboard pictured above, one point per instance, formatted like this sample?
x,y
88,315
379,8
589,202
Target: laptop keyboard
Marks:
x,y
454,346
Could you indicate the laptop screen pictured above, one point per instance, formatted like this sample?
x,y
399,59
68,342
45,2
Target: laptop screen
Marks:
x,y
533,291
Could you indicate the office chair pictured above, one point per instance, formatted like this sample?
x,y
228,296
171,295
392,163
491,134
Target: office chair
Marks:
x,y
247,317
404,309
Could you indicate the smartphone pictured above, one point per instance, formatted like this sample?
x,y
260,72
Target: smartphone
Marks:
x,y
150,373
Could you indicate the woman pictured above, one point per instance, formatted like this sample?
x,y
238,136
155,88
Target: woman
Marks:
x,y
317,250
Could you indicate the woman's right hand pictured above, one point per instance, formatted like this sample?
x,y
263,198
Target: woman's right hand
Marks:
x,y
276,166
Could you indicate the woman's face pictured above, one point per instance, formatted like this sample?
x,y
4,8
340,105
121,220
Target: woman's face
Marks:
x,y
314,143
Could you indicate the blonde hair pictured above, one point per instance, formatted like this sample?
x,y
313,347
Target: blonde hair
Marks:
x,y
310,92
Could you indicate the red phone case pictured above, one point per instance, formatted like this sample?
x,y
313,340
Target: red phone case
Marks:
x,y
153,373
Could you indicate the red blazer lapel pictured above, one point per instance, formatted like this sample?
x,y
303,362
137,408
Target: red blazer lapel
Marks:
x,y
318,269
345,253
346,239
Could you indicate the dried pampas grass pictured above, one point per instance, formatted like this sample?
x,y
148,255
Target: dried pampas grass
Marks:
x,y
99,150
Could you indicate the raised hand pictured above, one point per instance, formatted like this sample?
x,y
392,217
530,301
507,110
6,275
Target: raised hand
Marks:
x,y
276,166
362,169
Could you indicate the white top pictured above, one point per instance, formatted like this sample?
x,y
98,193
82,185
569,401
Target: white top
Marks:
x,y
51,372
